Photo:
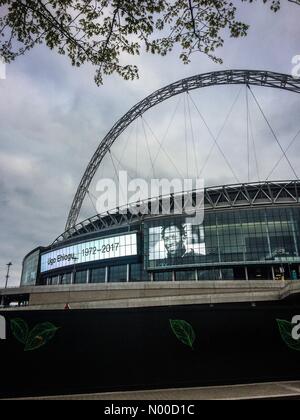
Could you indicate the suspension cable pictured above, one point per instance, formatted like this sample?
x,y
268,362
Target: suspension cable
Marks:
x,y
248,137
116,174
186,138
136,148
120,165
148,147
273,132
254,146
221,130
286,150
92,195
162,148
193,136
93,205
113,163
168,128
215,140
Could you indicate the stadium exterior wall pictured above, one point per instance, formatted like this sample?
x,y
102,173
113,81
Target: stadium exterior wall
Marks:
x,y
250,232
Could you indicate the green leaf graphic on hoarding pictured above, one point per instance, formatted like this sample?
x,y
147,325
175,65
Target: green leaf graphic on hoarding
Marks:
x,y
19,329
40,335
184,332
285,329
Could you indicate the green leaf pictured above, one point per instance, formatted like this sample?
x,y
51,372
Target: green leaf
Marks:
x,y
19,329
184,332
40,336
285,329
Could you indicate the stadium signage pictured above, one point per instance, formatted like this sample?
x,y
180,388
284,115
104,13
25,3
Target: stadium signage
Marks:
x,y
96,250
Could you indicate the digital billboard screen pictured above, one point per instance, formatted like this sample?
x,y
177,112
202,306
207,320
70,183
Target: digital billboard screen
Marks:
x,y
175,243
96,250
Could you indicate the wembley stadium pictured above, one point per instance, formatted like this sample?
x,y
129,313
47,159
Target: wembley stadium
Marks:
x,y
250,232
132,299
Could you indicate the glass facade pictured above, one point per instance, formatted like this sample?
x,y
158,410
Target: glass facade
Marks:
x,y
30,269
66,278
118,274
53,281
137,273
250,243
113,274
81,277
235,236
164,276
98,275
186,275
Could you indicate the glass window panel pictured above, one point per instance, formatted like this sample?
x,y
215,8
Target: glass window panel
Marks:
x,y
137,273
66,278
80,277
209,275
163,276
186,275
118,274
98,275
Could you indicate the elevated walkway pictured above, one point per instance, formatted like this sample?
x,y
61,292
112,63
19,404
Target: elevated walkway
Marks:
x,y
137,295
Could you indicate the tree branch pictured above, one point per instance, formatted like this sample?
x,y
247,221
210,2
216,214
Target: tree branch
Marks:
x,y
193,17
62,29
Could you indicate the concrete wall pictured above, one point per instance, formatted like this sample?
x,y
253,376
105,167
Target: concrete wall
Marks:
x,y
156,294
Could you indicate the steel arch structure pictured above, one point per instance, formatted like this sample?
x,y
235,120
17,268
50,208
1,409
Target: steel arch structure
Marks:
x,y
229,77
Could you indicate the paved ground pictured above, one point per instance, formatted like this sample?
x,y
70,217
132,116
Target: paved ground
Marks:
x,y
283,390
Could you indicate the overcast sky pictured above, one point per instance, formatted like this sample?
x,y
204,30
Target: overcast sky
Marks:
x,y
53,116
